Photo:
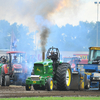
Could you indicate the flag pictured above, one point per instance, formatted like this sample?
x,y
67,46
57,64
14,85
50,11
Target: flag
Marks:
x,y
13,42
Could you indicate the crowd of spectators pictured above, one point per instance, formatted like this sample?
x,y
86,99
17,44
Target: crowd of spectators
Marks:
x,y
2,59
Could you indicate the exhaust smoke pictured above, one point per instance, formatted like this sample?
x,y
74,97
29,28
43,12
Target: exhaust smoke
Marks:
x,y
43,37
25,12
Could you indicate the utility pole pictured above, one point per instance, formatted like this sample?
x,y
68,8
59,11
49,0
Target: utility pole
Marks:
x,y
97,19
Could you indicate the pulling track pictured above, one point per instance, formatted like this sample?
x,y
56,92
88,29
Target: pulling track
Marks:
x,y
19,91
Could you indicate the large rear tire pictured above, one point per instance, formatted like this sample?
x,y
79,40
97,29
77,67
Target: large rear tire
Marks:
x,y
7,80
64,76
75,84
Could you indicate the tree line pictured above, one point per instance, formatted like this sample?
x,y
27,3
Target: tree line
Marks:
x,y
66,38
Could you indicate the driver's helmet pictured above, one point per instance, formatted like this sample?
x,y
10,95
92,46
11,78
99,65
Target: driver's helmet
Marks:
x,y
52,52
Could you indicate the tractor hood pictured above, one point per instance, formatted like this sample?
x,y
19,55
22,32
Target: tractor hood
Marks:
x,y
45,62
43,67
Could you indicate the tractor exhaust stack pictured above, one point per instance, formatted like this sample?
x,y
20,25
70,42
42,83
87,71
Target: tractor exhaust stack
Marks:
x,y
43,56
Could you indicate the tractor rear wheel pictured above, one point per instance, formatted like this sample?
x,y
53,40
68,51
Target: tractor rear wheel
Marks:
x,y
7,80
28,87
50,84
64,76
2,77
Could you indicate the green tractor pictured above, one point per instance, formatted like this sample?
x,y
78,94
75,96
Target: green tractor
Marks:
x,y
50,73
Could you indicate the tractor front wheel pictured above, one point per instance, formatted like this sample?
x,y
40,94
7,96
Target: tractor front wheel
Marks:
x,y
7,80
28,87
2,77
64,76
50,84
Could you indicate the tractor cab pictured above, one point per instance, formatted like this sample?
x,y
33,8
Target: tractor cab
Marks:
x,y
53,54
94,55
15,60
16,57
15,70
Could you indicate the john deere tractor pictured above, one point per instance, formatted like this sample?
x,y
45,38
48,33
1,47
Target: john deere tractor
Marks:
x,y
50,73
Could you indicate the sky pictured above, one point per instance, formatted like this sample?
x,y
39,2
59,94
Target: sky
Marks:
x,y
37,14
60,12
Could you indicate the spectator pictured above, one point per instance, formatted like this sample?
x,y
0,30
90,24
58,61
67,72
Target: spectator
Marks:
x,y
3,60
15,60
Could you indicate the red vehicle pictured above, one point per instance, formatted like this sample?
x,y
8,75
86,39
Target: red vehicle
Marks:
x,y
84,58
67,59
73,61
15,71
76,59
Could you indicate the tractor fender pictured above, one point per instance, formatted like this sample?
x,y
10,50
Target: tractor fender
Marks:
x,y
5,68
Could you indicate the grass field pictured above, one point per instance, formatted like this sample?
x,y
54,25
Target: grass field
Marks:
x,y
53,98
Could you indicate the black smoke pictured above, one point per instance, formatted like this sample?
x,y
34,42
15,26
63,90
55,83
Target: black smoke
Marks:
x,y
44,36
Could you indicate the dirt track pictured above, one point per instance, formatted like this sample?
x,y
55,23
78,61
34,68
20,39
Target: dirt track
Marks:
x,y
19,91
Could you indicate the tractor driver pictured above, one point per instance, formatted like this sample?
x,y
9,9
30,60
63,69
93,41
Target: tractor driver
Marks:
x,y
51,54
15,60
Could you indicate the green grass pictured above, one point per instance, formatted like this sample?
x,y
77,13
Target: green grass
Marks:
x,y
53,98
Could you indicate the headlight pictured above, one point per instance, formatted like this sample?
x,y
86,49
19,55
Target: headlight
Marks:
x,y
80,66
39,77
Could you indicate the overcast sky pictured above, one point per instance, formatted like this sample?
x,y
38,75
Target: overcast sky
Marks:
x,y
37,13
